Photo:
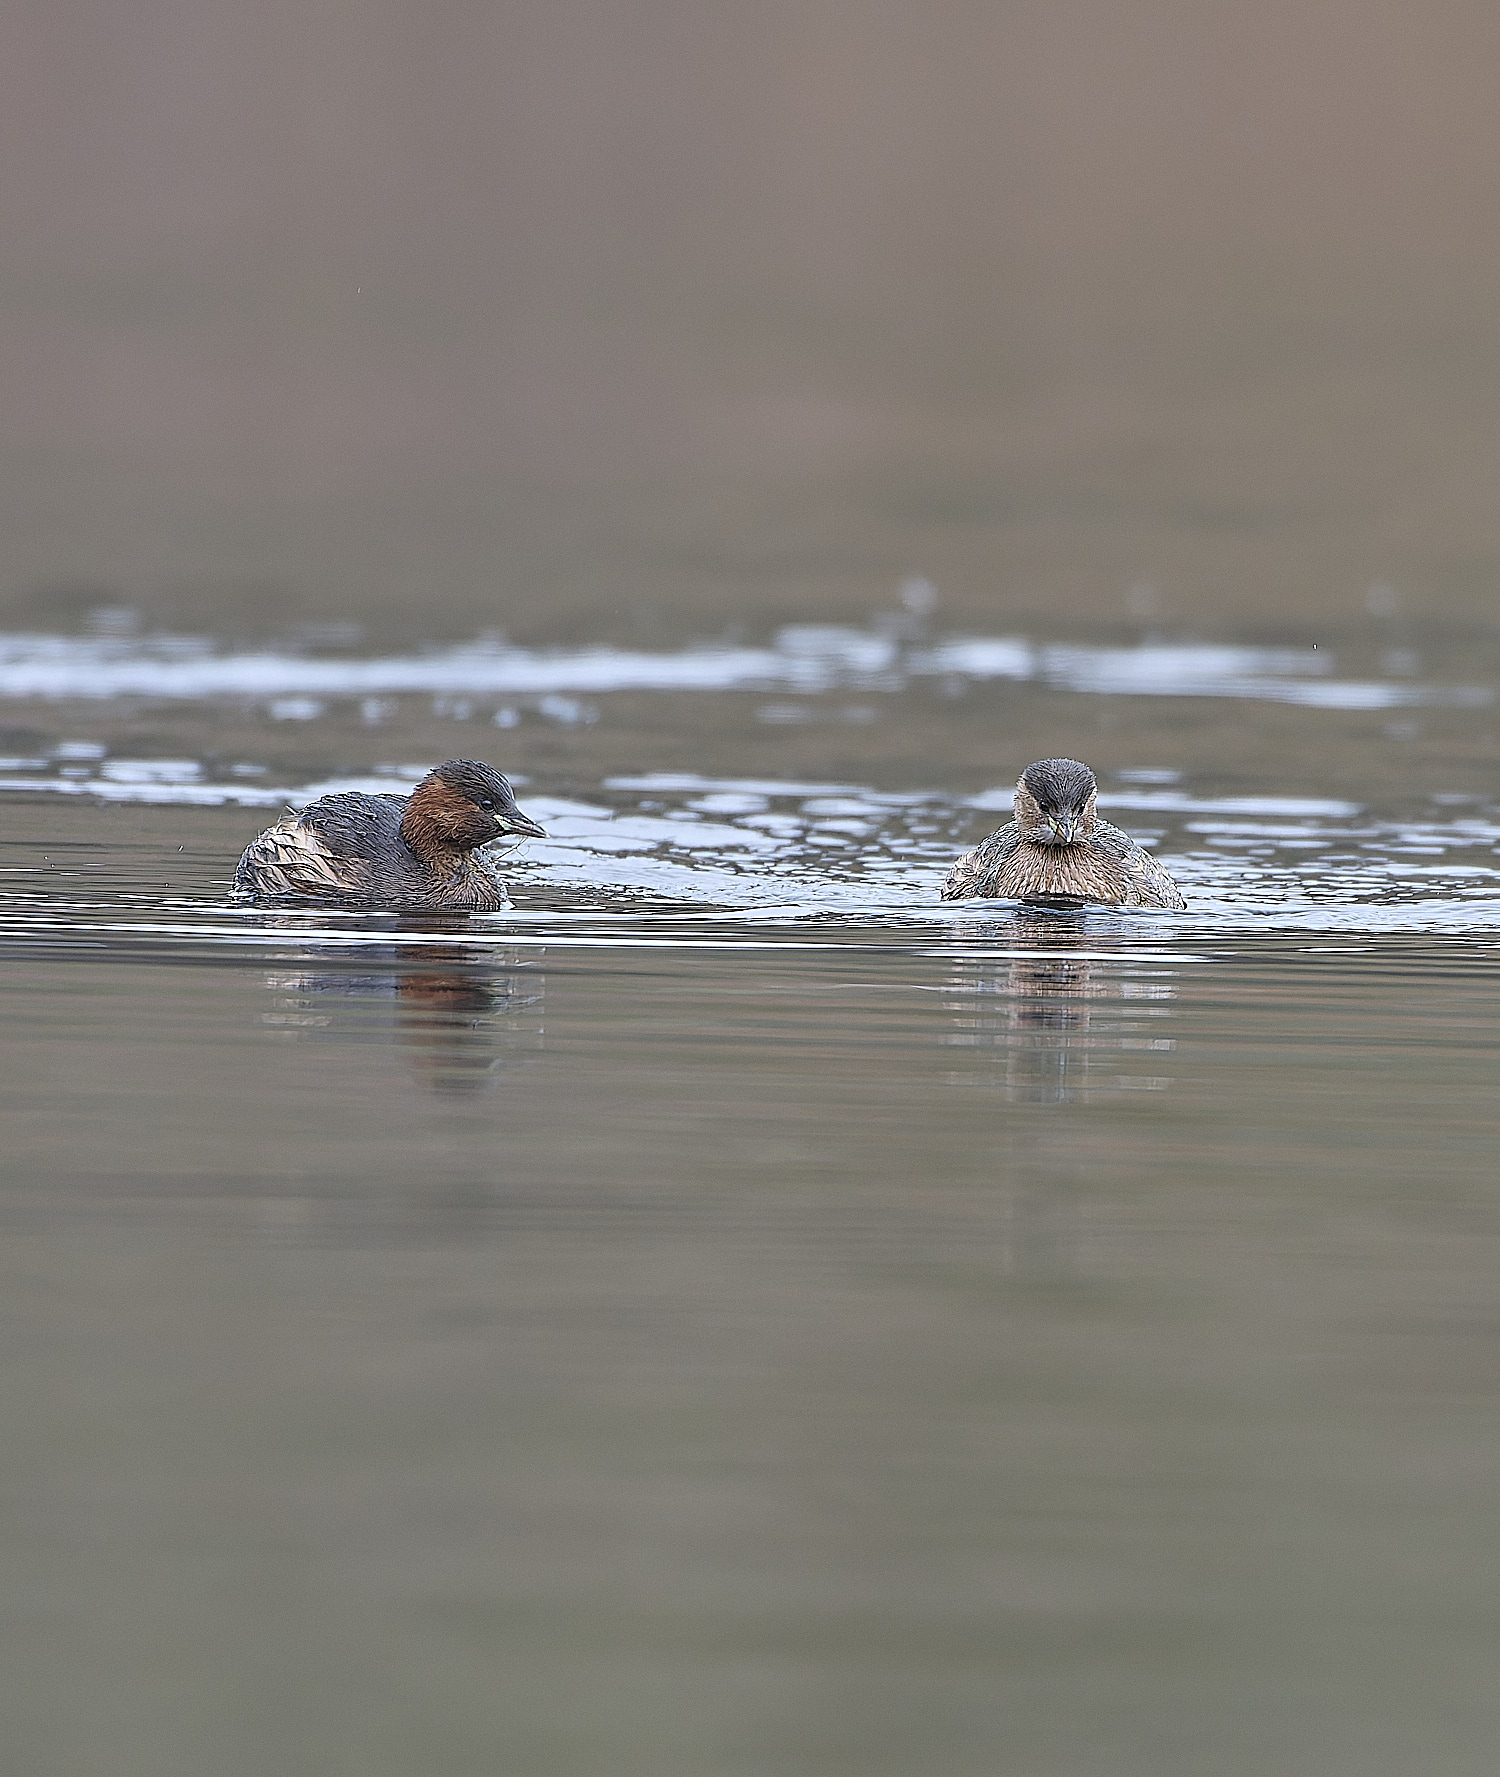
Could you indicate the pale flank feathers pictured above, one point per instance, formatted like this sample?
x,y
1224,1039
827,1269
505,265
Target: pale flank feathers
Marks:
x,y
292,858
1108,866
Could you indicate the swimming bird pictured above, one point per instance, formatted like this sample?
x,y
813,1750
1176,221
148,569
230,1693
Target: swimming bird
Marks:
x,y
1057,848
417,851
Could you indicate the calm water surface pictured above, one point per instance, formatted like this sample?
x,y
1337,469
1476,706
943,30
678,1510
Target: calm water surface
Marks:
x,y
735,1313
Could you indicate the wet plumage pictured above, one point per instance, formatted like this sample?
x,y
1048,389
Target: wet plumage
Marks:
x,y
1057,848
391,851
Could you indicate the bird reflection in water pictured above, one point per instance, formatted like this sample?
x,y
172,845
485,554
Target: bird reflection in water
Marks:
x,y
462,1018
1060,1021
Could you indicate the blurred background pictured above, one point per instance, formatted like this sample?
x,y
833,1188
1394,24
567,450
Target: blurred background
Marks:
x,y
633,319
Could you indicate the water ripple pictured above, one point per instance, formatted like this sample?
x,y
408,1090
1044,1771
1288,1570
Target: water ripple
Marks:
x,y
782,854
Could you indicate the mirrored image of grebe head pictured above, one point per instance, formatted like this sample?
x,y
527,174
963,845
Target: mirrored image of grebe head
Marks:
x,y
1052,1020
463,1021
462,1026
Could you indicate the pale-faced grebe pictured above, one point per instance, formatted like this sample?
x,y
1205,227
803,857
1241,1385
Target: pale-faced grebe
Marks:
x,y
1057,848
391,851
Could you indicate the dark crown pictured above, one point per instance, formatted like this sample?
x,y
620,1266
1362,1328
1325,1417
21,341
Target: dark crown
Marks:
x,y
1059,783
474,780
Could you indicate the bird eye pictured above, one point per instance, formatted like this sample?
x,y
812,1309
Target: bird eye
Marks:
x,y
487,804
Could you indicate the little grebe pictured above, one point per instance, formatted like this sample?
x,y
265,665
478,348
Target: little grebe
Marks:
x,y
1057,848
391,851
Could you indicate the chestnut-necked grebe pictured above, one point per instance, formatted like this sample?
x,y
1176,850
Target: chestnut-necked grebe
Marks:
x,y
1057,849
413,851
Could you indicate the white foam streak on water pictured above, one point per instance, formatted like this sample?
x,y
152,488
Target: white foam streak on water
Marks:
x,y
804,658
200,794
1167,669
668,782
57,666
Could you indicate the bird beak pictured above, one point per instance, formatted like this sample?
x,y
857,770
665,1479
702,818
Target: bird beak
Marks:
x,y
513,821
1064,826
